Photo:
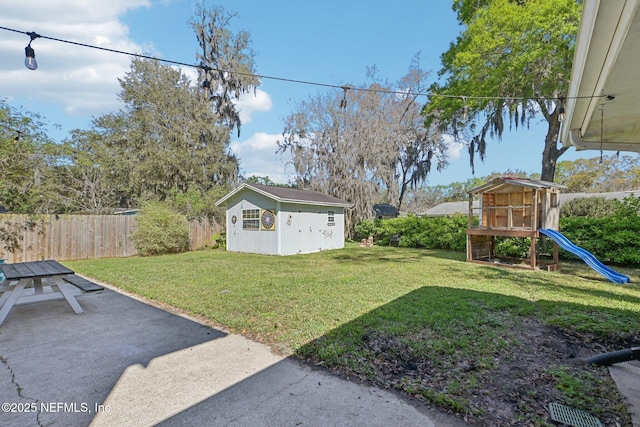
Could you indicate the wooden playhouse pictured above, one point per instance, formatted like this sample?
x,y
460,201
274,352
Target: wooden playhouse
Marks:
x,y
515,207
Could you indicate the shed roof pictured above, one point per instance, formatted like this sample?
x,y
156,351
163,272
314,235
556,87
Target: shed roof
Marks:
x,y
289,195
504,182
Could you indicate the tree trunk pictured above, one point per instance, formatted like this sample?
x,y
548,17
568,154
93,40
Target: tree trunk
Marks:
x,y
551,151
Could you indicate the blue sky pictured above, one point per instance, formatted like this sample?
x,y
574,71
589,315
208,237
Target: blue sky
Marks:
x,y
327,41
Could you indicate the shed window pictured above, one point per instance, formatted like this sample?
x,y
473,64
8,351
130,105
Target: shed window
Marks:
x,y
251,219
331,217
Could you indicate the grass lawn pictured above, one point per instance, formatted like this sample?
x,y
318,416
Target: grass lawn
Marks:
x,y
467,338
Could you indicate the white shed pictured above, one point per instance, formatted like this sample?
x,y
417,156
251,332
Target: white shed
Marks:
x,y
275,220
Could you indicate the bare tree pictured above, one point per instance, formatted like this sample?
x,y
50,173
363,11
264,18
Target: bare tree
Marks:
x,y
423,146
363,144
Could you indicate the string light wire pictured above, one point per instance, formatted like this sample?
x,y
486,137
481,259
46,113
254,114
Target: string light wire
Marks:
x,y
304,82
10,129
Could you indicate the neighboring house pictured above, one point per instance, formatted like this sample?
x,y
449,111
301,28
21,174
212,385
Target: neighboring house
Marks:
x,y
274,220
618,195
449,209
385,210
458,208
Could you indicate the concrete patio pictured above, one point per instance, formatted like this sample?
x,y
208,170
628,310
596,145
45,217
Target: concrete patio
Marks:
x,y
124,362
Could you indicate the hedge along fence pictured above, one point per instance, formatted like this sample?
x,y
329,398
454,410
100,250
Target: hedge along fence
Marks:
x,y
612,238
71,237
448,233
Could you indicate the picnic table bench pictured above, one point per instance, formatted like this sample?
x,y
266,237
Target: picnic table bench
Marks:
x,y
37,281
82,283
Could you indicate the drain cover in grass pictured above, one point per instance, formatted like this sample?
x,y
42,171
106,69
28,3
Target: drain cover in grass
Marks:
x,y
572,417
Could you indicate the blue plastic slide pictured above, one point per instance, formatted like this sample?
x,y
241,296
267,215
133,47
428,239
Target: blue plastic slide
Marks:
x,y
586,256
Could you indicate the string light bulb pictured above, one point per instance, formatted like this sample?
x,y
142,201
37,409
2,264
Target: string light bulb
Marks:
x,y
464,109
343,101
206,88
30,55
561,112
30,60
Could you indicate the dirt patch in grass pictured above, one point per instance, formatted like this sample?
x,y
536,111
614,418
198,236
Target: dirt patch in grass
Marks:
x,y
512,387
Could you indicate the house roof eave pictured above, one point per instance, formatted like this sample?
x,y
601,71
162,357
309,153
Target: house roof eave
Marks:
x,y
603,79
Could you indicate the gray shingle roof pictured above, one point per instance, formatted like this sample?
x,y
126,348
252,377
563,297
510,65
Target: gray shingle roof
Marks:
x,y
620,195
385,209
449,208
452,208
291,195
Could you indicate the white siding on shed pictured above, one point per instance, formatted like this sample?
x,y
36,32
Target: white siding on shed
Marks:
x,y
255,241
306,229
302,225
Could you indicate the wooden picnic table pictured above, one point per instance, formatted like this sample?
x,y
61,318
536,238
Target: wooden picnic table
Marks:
x,y
23,283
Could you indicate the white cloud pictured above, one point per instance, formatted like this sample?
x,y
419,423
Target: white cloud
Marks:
x,y
454,148
249,103
258,157
260,144
74,83
80,80
74,80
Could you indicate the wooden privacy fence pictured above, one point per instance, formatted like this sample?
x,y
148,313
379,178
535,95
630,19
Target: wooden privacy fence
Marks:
x,y
71,237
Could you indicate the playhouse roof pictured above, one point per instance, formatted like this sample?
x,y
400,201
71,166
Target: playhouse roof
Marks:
x,y
289,195
506,183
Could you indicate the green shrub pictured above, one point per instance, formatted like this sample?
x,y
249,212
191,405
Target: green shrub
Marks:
x,y
629,207
219,241
513,247
366,228
612,239
160,230
594,207
197,205
448,233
